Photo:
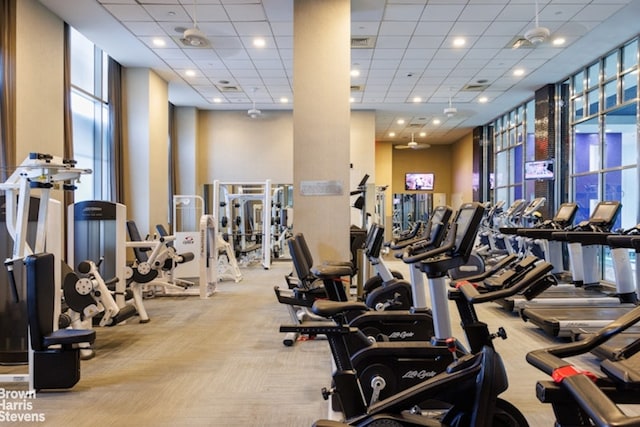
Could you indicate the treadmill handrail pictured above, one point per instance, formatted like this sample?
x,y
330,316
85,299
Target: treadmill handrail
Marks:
x,y
474,296
547,359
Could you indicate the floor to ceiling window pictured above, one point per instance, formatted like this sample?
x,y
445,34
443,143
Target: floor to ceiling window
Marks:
x,y
604,100
513,145
604,125
89,114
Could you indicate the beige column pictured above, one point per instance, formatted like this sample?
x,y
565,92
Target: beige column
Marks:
x,y
321,125
146,155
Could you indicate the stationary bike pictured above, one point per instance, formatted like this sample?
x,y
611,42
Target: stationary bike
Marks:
x,y
384,369
386,292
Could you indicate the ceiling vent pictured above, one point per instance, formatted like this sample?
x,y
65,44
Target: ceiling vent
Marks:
x,y
474,87
228,88
357,88
363,42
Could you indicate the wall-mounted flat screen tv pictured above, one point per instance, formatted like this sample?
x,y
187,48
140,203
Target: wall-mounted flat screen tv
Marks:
x,y
539,169
418,181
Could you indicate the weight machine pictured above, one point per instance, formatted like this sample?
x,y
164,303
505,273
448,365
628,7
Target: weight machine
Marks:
x,y
236,202
281,219
193,232
43,172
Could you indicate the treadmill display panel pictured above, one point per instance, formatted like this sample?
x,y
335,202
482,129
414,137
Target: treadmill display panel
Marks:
x,y
566,212
605,213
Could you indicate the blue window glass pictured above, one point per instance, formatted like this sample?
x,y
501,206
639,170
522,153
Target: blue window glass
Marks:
x,y
501,168
630,55
610,94
630,86
594,102
610,68
620,148
578,83
587,147
587,195
517,164
578,108
593,75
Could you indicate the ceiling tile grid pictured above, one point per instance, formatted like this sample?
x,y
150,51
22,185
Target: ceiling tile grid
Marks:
x,y
414,55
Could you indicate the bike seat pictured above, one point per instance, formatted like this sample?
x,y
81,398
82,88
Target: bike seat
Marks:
x,y
328,308
326,271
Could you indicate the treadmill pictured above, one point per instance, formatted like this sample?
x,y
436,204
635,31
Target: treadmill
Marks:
x,y
560,320
623,345
552,253
541,235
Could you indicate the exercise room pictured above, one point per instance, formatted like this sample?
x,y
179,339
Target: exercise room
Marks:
x,y
319,213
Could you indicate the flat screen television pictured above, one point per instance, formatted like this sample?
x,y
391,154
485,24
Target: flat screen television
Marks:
x,y
539,169
418,181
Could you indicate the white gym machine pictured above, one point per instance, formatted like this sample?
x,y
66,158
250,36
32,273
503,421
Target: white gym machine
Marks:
x,y
193,233
43,172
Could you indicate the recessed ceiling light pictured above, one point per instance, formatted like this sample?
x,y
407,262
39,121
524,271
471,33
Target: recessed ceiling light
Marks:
x,y
417,99
392,134
159,42
483,99
422,134
259,42
459,42
558,41
400,121
436,121
355,73
518,72
217,100
352,99
190,73
284,100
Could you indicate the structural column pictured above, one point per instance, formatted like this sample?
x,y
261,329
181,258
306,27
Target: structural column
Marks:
x,y
146,155
321,125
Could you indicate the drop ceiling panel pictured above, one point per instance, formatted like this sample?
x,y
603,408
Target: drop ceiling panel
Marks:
x,y
403,12
392,42
128,12
442,12
480,12
413,56
245,12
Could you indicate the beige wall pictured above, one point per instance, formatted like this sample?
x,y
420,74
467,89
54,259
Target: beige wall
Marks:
x,y
436,159
186,149
452,165
232,147
39,81
462,171
235,148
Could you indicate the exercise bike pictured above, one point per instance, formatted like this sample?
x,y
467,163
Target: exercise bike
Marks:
x,y
382,370
385,291
392,325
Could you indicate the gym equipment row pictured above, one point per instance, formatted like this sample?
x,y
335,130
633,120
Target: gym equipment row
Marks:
x,y
579,398
369,385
